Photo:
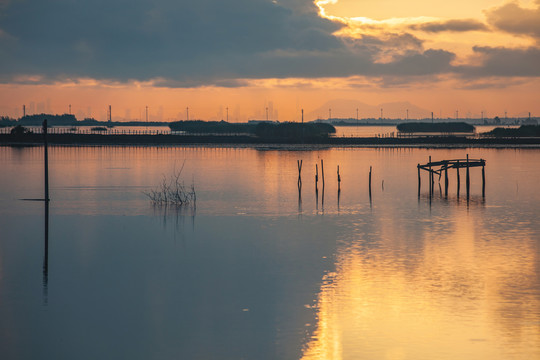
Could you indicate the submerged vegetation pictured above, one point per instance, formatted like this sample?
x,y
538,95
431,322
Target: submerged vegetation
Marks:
x,y
445,127
172,191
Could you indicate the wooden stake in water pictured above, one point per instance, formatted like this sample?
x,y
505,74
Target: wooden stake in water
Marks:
x,y
467,178
446,180
458,179
370,183
419,180
483,179
430,179
322,173
316,177
46,159
299,163
338,180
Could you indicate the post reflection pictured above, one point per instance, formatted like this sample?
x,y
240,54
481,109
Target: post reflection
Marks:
x,y
46,256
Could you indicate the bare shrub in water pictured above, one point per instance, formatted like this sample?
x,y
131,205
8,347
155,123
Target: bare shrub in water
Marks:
x,y
172,191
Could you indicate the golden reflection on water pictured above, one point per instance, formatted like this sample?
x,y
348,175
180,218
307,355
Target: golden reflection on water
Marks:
x,y
455,292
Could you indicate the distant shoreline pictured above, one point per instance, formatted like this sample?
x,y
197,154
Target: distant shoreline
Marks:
x,y
246,140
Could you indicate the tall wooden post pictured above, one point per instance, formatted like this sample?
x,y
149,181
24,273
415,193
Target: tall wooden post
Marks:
x,y
46,159
467,178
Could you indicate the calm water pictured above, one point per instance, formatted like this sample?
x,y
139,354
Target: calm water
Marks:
x,y
259,271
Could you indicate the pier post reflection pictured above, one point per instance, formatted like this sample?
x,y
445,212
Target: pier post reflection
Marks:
x,y
46,256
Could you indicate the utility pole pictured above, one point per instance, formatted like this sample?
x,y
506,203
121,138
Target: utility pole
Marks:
x,y
302,116
329,114
24,110
69,109
187,113
432,117
227,113
381,115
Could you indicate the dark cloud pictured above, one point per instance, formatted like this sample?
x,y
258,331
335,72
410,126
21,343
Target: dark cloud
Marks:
x,y
427,63
514,19
505,62
186,43
142,39
450,25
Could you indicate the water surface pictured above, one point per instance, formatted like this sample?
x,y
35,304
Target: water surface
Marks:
x,y
258,270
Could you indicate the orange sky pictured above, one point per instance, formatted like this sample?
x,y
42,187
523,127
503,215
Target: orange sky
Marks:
x,y
492,58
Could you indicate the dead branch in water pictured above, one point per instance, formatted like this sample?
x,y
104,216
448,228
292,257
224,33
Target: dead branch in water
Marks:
x,y
172,191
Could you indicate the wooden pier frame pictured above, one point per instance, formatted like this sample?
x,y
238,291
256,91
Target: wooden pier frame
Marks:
x,y
438,167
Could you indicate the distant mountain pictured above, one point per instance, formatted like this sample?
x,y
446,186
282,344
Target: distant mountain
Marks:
x,y
346,108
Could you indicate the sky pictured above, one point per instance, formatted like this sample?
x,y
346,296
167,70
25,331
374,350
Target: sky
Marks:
x,y
239,57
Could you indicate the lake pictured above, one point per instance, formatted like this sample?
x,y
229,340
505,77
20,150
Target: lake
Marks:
x,y
260,270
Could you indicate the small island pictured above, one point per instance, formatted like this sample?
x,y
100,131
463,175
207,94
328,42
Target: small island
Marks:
x,y
522,131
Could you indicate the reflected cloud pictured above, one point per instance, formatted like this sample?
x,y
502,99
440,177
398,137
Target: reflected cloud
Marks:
x,y
441,292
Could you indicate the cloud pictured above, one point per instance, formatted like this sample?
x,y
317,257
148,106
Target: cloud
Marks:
x,y
185,43
514,19
162,38
505,62
450,25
